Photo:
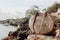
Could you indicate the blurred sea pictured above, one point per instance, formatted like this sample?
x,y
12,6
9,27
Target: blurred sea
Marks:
x,y
4,30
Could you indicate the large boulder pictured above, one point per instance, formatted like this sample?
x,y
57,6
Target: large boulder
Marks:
x,y
41,24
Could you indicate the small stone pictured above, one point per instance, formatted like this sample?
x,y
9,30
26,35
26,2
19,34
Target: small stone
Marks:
x,y
58,33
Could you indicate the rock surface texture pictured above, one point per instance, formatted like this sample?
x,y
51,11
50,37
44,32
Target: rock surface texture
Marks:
x,y
41,37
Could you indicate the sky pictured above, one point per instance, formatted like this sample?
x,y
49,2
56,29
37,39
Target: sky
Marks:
x,y
17,8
